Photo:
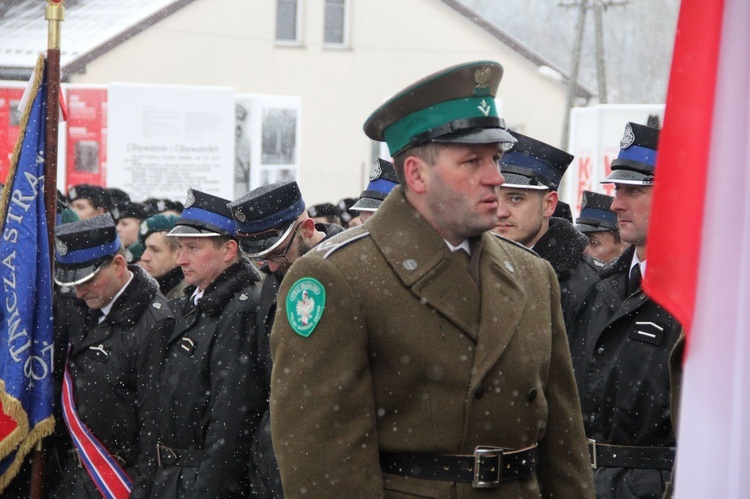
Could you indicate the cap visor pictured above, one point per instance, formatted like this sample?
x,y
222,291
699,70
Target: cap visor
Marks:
x,y
257,247
628,177
367,204
520,182
476,136
586,228
73,277
188,231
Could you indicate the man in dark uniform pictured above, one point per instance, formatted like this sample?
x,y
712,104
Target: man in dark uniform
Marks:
x,y
274,228
117,338
212,395
599,223
89,200
420,354
128,217
621,343
528,198
159,257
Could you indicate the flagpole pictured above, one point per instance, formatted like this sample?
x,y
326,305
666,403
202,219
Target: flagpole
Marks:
x,y
54,14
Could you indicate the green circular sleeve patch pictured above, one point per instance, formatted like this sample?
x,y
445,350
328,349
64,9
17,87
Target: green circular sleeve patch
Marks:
x,y
304,305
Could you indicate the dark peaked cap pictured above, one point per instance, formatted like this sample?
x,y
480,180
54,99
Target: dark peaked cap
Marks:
x,y
636,161
382,181
532,164
81,247
455,105
596,215
205,215
266,215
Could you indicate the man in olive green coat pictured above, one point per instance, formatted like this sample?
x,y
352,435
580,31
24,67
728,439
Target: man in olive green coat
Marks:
x,y
420,355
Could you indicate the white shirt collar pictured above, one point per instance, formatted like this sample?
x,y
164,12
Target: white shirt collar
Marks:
x,y
464,245
197,295
637,261
105,310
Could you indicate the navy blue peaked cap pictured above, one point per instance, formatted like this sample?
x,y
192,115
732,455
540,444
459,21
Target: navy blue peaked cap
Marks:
x,y
266,215
382,181
532,164
596,215
82,247
636,162
205,215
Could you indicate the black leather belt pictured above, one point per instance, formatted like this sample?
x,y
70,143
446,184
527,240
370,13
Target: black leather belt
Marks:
x,y
178,457
629,456
124,456
486,468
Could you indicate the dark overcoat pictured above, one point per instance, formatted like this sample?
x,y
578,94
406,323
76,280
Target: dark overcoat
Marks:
x,y
402,360
562,246
620,345
212,393
115,367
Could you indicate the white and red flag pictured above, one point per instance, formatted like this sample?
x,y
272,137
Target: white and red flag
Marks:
x,y
699,242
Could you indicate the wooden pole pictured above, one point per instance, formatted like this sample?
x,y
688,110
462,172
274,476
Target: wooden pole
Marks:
x,y
54,14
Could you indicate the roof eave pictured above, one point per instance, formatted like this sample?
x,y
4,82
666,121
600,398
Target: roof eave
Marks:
x,y
78,64
582,91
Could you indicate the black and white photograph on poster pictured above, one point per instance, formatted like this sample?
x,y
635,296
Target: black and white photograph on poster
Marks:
x,y
86,156
242,147
279,136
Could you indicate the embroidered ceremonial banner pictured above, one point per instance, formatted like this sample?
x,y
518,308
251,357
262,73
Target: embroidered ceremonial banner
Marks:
x,y
26,389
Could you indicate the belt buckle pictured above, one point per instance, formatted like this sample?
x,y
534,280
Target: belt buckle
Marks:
x,y
481,454
170,458
592,453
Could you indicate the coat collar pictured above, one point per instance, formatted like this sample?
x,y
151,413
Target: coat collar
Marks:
x,y
125,312
562,246
418,256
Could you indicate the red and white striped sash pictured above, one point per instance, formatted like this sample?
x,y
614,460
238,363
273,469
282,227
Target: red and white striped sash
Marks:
x,y
102,467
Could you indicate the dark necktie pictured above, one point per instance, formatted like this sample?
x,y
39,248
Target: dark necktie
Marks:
x,y
92,317
634,281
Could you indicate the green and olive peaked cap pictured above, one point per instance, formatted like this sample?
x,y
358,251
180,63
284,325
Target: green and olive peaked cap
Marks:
x,y
455,105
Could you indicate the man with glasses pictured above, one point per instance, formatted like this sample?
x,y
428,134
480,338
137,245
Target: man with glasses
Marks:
x,y
273,227
118,333
212,396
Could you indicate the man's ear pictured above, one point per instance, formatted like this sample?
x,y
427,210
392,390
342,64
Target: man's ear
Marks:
x,y
307,228
230,250
415,174
549,203
119,263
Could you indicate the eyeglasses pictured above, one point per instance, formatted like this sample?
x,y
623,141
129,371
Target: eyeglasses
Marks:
x,y
281,258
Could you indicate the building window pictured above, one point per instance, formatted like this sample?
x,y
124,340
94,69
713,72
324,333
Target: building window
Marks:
x,y
335,31
287,21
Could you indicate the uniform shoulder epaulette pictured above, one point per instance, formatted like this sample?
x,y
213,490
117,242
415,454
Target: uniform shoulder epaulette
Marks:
x,y
329,246
246,300
160,309
514,243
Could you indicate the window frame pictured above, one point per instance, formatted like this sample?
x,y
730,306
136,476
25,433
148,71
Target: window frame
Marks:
x,y
297,41
346,18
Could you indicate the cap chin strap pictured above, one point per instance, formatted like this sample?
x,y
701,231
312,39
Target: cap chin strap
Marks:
x,y
456,126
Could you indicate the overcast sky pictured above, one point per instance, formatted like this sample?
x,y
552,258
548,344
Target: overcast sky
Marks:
x,y
638,41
